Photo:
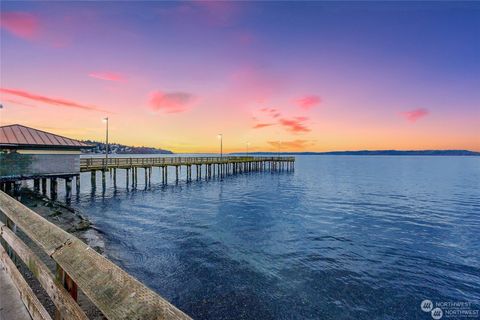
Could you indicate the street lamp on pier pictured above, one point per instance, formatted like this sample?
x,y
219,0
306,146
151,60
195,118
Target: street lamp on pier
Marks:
x,y
220,136
106,141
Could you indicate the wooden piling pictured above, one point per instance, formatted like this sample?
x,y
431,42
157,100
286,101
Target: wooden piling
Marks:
x,y
53,188
44,186
103,179
68,188
36,185
93,179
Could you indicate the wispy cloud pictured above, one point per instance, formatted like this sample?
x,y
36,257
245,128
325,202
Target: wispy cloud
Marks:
x,y
308,102
274,113
290,145
107,76
21,103
60,102
170,102
262,125
295,124
21,24
415,114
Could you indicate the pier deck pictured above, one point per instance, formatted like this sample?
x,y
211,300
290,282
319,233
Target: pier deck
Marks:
x,y
200,167
89,164
207,167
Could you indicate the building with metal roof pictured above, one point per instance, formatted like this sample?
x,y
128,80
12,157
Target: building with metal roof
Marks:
x,y
16,136
28,153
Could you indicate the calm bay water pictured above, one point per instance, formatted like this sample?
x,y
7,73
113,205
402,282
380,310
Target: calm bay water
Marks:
x,y
341,237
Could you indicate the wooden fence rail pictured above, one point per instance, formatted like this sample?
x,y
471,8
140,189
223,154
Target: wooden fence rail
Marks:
x,y
115,293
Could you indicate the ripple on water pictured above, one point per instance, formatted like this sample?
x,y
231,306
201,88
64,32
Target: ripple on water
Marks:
x,y
339,238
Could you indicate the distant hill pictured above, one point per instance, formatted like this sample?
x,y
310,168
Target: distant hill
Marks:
x,y
381,153
116,148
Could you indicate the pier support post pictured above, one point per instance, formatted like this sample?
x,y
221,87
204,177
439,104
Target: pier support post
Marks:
x,y
68,188
93,179
103,179
135,178
114,177
150,176
44,186
146,176
16,188
36,185
8,187
127,176
53,188
77,183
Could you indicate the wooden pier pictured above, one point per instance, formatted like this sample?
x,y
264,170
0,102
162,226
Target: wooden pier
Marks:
x,y
78,268
199,167
195,167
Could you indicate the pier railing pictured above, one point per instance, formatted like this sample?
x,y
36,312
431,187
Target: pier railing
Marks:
x,y
115,293
96,163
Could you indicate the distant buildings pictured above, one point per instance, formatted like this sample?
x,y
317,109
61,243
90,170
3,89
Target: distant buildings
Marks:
x,y
116,148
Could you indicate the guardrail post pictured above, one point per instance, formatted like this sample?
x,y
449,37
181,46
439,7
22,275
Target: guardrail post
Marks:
x,y
67,282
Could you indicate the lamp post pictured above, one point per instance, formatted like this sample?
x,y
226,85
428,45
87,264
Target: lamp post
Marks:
x,y
1,107
106,141
220,136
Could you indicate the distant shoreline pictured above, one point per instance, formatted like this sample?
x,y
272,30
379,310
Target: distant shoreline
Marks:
x,y
376,153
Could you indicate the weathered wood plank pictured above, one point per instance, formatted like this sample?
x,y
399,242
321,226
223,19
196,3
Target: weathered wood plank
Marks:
x,y
112,290
47,235
117,294
34,307
65,304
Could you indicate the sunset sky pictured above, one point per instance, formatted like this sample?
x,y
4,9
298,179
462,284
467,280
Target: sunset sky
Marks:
x,y
284,76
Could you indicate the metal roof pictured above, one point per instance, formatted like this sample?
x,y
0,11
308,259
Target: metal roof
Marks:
x,y
16,135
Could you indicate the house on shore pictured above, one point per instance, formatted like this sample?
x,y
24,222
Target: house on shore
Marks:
x,y
28,153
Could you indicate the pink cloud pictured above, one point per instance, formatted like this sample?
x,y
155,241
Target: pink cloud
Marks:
x,y
21,24
107,76
49,100
295,125
308,102
262,125
173,102
414,115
